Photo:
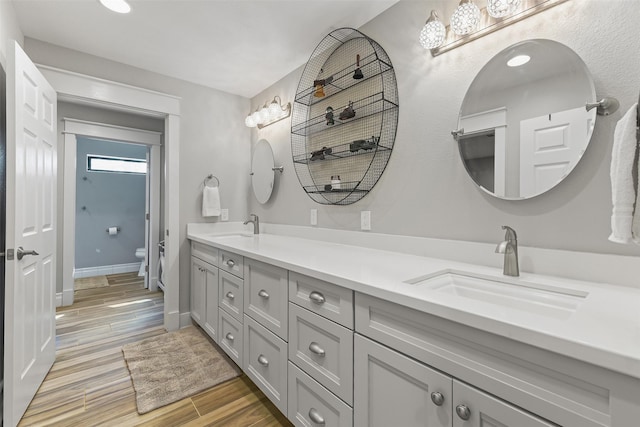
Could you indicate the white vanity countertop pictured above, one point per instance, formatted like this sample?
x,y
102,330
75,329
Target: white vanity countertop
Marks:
x,y
604,330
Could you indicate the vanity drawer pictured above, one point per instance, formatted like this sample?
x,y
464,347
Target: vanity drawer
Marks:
x,y
205,252
230,336
265,362
323,349
231,294
231,263
310,404
265,296
328,300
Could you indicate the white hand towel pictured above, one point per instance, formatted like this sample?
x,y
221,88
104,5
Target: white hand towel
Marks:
x,y
210,201
622,192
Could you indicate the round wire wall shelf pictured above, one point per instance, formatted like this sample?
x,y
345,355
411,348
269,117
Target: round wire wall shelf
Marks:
x,y
345,117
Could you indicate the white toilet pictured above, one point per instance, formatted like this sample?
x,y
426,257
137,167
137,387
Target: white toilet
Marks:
x,y
140,255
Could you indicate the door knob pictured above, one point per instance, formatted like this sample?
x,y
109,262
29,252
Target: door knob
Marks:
x,y
463,412
22,253
437,398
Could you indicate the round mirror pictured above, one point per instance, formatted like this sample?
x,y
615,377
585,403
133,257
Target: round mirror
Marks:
x,y
262,173
523,124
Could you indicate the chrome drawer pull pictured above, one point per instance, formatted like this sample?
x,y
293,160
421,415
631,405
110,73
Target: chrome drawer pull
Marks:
x,y
315,348
463,412
231,263
437,398
264,294
317,297
230,295
315,416
263,360
230,336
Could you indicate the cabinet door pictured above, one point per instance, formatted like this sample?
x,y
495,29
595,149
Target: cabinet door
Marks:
x,y
198,290
231,294
265,296
211,298
391,389
475,408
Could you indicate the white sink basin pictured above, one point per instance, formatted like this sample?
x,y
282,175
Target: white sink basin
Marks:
x,y
542,299
232,234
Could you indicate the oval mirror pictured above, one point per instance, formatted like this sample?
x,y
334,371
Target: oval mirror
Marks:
x,y
523,125
262,173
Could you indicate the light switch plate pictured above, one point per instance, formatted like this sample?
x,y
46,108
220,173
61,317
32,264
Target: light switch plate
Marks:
x,y
224,214
365,220
313,217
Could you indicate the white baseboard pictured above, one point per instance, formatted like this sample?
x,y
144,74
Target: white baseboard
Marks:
x,y
172,321
59,299
105,269
185,319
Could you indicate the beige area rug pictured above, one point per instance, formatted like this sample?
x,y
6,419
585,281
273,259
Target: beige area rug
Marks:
x,y
170,367
90,282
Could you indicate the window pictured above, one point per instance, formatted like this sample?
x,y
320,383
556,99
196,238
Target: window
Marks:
x,y
97,163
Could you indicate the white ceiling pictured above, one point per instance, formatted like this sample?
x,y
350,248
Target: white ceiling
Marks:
x,y
237,46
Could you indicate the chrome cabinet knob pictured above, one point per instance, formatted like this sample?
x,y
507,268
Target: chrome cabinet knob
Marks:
x,y
315,348
263,360
21,253
317,297
463,412
230,336
315,416
263,294
231,263
230,295
437,398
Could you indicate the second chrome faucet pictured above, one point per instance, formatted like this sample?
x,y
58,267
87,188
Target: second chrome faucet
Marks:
x,y
509,247
253,218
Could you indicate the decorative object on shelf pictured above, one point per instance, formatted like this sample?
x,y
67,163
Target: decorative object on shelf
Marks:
x,y
329,116
269,113
433,33
354,148
465,18
466,25
348,112
357,74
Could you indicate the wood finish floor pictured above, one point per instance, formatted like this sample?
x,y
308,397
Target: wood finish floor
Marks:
x,y
89,383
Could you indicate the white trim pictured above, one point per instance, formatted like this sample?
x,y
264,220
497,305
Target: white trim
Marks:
x,y
111,132
185,319
68,231
153,252
89,90
58,299
131,267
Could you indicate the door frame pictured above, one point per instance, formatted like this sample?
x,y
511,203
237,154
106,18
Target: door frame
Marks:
x,y
82,89
72,128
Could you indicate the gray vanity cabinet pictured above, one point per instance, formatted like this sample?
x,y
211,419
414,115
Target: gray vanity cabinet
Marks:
x,y
204,295
266,297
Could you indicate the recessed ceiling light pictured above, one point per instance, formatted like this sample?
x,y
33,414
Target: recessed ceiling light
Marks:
x,y
519,60
120,6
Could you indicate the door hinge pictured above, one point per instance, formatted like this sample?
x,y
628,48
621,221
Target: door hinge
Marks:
x,y
8,254
147,217
146,268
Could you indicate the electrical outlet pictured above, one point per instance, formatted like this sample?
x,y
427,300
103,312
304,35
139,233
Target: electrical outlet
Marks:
x,y
314,217
365,220
224,214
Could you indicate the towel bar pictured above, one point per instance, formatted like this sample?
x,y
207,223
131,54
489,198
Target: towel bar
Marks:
x,y
210,177
605,106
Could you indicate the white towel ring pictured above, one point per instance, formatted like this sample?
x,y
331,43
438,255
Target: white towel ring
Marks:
x,y
209,178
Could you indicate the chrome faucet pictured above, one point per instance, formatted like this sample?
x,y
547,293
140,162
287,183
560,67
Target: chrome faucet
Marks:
x,y
256,223
509,247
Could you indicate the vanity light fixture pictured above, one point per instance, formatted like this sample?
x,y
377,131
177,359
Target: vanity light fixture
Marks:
x,y
519,60
468,22
268,114
433,33
118,6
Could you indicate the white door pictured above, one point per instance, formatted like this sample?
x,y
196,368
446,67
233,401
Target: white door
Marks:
x,y
550,147
31,225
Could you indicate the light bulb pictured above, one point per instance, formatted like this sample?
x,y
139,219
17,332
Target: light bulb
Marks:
x,y
257,119
119,6
275,111
502,8
466,18
264,114
433,32
249,121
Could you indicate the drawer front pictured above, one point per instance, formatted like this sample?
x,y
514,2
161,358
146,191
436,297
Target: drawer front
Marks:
x,y
230,336
231,294
205,252
265,296
231,263
328,300
323,349
265,362
310,404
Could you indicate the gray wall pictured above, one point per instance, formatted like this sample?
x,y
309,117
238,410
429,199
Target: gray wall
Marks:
x,y
425,190
213,137
109,200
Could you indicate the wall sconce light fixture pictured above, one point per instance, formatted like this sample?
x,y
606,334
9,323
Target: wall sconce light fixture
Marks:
x,y
268,114
468,22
